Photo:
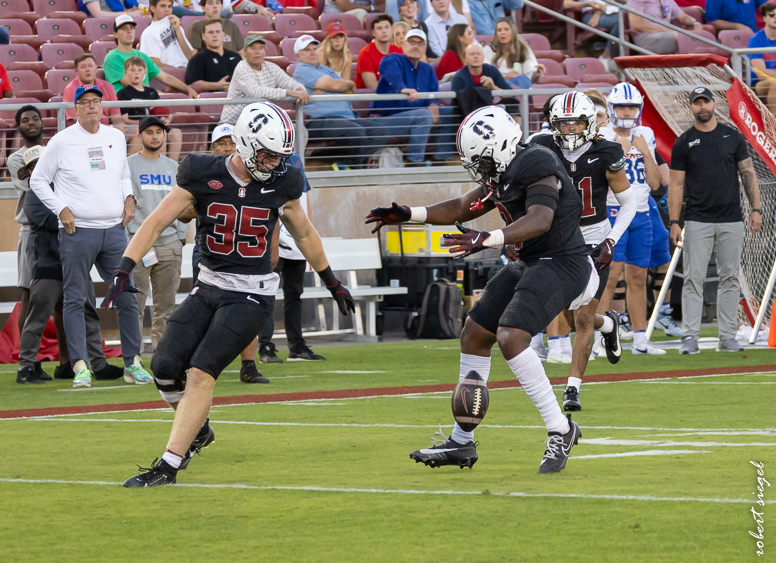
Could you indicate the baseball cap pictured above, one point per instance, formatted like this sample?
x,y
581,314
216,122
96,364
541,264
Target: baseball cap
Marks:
x,y
701,92
415,33
251,39
32,154
335,28
81,90
303,41
147,122
122,19
223,130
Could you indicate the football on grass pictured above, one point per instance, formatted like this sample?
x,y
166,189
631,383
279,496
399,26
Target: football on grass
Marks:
x,y
470,401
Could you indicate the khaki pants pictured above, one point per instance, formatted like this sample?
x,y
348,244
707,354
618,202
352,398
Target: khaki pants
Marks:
x,y
165,276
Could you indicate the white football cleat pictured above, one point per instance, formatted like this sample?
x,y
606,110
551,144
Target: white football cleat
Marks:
x,y
562,359
649,350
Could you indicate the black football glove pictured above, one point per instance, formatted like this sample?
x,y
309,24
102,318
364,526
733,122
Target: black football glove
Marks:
x,y
119,283
338,291
388,216
469,241
602,254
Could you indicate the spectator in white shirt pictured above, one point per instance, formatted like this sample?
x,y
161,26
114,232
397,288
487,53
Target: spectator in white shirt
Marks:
x,y
513,56
164,40
465,10
256,78
439,23
94,201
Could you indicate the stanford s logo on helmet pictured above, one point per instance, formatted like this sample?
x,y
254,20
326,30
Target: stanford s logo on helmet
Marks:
x,y
624,94
571,107
263,129
483,130
487,142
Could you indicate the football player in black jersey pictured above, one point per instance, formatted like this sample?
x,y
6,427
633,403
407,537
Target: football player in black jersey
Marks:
x,y
594,165
239,199
541,208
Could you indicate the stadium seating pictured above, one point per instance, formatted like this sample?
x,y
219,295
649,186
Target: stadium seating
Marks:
x,y
97,28
57,79
50,28
46,7
579,68
287,48
186,22
555,79
282,62
351,23
554,68
734,38
248,23
272,49
691,45
179,73
142,23
355,44
10,54
29,17
27,83
213,111
54,54
16,26
296,25
12,6
99,49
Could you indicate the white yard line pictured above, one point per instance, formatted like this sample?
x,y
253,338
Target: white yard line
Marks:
x,y
611,442
710,382
400,491
99,388
646,452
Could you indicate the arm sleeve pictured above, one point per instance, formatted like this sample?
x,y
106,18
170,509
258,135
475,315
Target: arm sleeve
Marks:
x,y
184,178
390,75
628,204
617,161
678,157
43,175
543,194
365,63
39,214
659,159
150,46
742,150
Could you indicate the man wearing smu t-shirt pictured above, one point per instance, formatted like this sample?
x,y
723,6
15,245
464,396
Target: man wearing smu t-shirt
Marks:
x,y
706,163
368,63
764,64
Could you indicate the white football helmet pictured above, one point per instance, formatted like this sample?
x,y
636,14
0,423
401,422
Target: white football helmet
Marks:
x,y
573,106
264,128
487,142
624,94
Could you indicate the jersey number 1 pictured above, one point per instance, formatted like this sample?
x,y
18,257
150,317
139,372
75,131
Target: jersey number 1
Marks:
x,y
226,226
586,187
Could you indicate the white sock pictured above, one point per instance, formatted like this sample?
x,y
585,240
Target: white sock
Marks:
x,y
639,339
554,344
664,307
597,336
172,459
574,382
565,344
529,371
480,364
606,328
537,340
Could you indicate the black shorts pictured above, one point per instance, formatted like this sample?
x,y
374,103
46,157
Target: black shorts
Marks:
x,y
603,276
528,295
209,330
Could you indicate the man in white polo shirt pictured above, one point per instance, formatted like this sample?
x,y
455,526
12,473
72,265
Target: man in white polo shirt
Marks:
x,y
94,201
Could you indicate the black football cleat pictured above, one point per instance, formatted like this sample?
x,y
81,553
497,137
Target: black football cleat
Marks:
x,y
64,371
27,376
160,473
108,373
305,355
571,399
202,440
249,373
611,341
268,354
42,375
447,452
559,447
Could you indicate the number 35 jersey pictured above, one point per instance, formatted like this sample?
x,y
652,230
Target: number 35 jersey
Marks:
x,y
635,169
236,220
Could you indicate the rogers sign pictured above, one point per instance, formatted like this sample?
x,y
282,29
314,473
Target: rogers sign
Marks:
x,y
750,121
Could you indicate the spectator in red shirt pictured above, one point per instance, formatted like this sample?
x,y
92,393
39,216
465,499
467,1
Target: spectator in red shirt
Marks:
x,y
367,73
334,51
5,83
86,75
459,37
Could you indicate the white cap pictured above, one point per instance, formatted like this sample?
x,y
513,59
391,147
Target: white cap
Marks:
x,y
32,154
416,33
223,130
121,19
303,41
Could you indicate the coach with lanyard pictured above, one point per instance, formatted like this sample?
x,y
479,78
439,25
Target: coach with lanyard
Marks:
x,y
706,163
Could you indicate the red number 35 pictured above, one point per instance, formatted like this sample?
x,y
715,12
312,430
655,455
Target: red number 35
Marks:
x,y
226,226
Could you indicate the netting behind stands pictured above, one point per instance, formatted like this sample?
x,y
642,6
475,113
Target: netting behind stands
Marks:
x,y
668,89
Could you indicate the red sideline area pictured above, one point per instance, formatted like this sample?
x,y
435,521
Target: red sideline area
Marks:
x,y
371,392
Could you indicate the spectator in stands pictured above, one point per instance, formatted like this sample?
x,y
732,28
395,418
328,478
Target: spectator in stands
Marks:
x,y
595,15
256,78
513,57
212,68
707,161
400,30
358,8
233,37
439,23
135,71
94,201
459,37
46,296
249,7
124,36
86,75
408,12
656,37
164,40
764,64
334,52
5,37
368,63
109,8
486,13
153,176
5,83
477,73
407,74
733,14
182,8
29,124
456,7
333,120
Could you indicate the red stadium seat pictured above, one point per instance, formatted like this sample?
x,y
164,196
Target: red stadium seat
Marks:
x,y
81,40
32,40
46,7
249,23
177,96
194,128
355,45
556,79
96,28
537,102
605,78
55,53
290,70
536,42
287,48
596,85
142,23
186,22
11,6
99,49
57,79
734,38
696,13
272,49
213,111
10,116
25,80
16,27
282,62
295,25
553,54
351,23
29,17
691,45
368,20
37,67
307,10
77,17
554,68
16,53
579,68
484,39
50,28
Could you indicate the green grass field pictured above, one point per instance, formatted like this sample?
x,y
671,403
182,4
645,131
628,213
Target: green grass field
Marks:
x,y
331,480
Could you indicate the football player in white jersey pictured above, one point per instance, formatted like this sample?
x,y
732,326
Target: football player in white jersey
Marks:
x,y
634,248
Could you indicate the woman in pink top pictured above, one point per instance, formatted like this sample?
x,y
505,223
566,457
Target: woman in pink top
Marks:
x,y
656,37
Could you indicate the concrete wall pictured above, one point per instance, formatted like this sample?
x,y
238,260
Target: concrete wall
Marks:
x,y
9,228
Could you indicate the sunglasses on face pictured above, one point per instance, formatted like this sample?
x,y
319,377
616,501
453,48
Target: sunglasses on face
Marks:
x,y
771,14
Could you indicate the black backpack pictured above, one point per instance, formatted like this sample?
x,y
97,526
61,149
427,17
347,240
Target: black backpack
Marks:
x,y
441,315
